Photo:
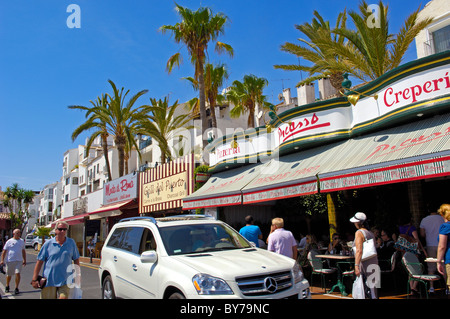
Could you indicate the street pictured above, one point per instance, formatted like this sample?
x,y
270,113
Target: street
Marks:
x,y
89,281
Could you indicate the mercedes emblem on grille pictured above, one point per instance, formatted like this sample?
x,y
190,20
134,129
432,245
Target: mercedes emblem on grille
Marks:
x,y
270,284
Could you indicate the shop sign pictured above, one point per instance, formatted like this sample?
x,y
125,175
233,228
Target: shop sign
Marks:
x,y
164,190
120,189
165,186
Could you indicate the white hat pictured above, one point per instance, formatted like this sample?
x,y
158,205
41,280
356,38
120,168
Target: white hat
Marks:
x,y
359,217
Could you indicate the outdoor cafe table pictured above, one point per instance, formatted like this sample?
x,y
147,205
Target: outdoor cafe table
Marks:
x,y
340,284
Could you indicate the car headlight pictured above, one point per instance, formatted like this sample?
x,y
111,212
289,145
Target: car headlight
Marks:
x,y
297,273
208,285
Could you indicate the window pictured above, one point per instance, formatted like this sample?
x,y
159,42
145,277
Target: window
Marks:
x,y
441,39
127,238
148,241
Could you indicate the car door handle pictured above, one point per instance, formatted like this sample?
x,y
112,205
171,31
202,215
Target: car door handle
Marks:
x,y
115,258
134,267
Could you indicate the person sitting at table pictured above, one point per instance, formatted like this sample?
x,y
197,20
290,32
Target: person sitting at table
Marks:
x,y
385,248
310,245
335,247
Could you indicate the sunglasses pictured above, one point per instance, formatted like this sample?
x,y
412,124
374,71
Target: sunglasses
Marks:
x,y
61,229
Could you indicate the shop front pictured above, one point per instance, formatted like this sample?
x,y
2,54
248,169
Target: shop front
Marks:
x,y
396,134
94,214
162,189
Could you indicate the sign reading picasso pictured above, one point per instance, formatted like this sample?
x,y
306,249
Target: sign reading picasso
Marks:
x,y
120,189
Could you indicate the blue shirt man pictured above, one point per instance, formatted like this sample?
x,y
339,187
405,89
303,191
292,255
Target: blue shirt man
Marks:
x,y
251,232
57,255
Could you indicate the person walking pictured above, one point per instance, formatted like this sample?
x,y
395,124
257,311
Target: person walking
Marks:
x,y
369,267
57,255
443,253
16,257
281,240
429,229
250,231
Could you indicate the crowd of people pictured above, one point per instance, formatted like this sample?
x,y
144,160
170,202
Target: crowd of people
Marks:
x,y
429,241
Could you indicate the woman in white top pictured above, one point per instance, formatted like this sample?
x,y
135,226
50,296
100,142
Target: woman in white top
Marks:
x,y
369,267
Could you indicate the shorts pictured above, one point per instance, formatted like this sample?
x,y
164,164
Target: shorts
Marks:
x,y
55,292
13,267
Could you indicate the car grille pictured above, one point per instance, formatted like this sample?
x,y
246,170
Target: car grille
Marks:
x,y
264,284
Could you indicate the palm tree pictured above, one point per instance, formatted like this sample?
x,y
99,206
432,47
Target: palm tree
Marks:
x,y
214,78
95,122
17,200
196,30
371,50
245,95
325,62
161,124
122,120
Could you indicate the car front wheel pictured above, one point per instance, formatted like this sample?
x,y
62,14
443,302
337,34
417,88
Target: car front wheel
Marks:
x,y
177,295
108,288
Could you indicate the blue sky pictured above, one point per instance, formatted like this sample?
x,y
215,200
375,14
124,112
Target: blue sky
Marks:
x,y
46,66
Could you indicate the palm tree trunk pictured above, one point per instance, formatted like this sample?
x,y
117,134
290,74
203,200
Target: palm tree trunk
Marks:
x,y
212,108
202,101
251,116
120,144
105,154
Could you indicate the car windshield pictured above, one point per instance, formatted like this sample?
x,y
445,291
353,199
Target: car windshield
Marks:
x,y
188,239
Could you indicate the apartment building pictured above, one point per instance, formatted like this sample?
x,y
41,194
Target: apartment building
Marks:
x,y
436,37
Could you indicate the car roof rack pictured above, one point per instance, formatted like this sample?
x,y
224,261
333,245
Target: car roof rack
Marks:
x,y
151,219
185,217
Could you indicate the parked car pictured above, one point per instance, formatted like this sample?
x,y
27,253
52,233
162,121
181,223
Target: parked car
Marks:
x,y
37,241
29,240
192,256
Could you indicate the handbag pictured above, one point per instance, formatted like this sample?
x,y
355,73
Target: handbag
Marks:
x,y
369,249
407,243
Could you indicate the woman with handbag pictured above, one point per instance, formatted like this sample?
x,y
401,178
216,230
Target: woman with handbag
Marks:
x,y
366,260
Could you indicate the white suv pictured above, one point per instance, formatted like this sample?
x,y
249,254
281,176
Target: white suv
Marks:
x,y
192,256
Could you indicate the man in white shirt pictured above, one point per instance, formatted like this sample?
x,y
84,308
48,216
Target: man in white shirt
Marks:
x,y
16,257
429,229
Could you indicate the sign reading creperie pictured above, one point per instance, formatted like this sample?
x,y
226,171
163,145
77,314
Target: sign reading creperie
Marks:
x,y
417,88
164,187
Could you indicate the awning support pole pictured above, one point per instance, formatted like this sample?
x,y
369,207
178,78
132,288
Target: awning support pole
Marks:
x,y
331,215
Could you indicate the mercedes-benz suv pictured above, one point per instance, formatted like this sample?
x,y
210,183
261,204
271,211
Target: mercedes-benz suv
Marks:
x,y
192,256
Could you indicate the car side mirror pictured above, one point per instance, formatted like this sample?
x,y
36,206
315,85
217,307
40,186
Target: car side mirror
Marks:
x,y
149,256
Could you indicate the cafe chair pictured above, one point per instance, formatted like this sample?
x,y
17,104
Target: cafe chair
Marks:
x,y
388,266
318,268
346,269
415,272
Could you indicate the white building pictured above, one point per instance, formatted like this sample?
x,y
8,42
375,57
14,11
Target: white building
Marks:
x,y
49,203
436,37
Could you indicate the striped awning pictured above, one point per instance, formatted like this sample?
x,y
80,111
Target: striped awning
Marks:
x,y
111,210
224,188
414,151
282,178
